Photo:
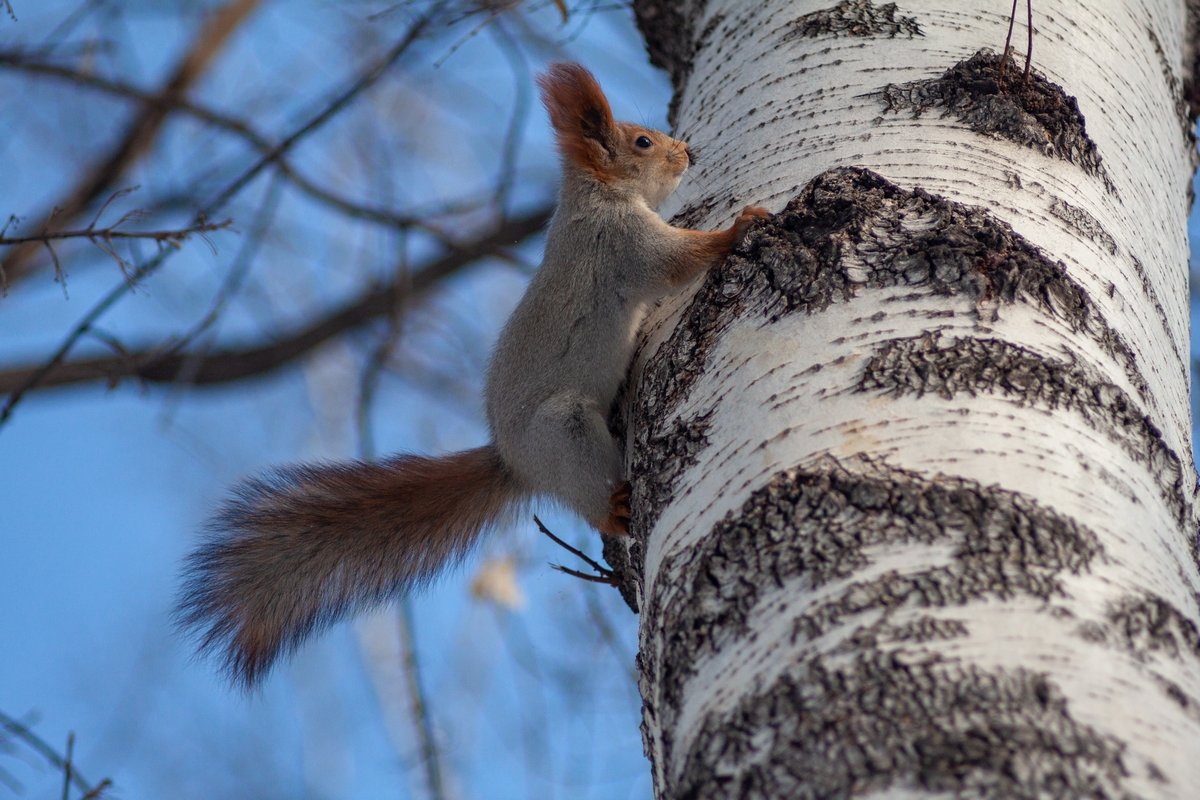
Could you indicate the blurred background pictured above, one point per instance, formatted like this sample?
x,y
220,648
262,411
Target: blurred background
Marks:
x,y
263,232
334,205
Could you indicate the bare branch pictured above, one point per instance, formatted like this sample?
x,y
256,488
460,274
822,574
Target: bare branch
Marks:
x,y
170,364
36,743
68,767
360,84
30,63
430,753
364,80
173,237
140,134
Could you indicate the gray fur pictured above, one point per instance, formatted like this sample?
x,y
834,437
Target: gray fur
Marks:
x,y
564,352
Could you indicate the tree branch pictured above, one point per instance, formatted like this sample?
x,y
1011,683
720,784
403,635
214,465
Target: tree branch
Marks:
x,y
139,136
36,743
170,365
362,81
30,63
170,237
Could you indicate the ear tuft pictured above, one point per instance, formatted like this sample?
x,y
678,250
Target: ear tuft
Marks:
x,y
581,117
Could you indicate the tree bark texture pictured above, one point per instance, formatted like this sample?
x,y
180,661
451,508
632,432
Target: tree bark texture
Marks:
x,y
914,501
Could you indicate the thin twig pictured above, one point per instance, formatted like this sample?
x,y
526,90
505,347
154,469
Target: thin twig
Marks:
x,y
172,237
1012,20
39,745
96,791
66,786
469,35
520,114
606,575
418,703
360,84
230,285
608,579
10,780
147,268
142,131
242,129
430,755
166,364
1029,38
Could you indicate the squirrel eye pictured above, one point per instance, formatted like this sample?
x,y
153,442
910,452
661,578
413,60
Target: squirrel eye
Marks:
x,y
643,142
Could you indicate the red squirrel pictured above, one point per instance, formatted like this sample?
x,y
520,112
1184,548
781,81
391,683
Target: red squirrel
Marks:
x,y
305,546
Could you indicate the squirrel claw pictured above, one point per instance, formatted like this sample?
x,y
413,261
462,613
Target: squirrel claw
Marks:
x,y
747,217
619,512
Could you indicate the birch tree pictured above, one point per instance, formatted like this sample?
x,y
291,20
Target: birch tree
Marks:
x,y
915,505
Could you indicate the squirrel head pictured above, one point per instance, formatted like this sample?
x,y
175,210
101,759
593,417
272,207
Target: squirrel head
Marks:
x,y
627,157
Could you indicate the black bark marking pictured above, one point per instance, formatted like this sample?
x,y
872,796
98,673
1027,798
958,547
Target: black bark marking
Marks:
x,y
659,458
851,230
1083,224
916,631
1146,624
855,18
625,557
664,26
1191,63
818,524
1036,113
827,728
952,366
1183,110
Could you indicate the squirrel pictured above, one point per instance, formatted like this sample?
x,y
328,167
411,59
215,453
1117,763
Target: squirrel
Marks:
x,y
304,546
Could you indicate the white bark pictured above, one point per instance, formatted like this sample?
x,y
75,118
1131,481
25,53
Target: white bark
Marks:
x,y
914,495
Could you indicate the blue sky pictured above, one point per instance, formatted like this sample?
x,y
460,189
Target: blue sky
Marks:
x,y
104,491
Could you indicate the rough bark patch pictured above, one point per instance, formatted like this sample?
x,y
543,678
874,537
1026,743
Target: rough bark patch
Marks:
x,y
1144,625
890,718
855,18
625,557
662,457
659,458
1191,67
952,366
1036,113
851,230
1183,109
817,525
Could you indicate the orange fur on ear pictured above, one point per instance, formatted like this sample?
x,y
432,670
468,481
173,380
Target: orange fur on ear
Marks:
x,y
581,117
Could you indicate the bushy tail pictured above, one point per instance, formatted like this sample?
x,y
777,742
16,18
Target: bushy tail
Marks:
x,y
305,546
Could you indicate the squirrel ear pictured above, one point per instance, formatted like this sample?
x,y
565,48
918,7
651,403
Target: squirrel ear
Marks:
x,y
581,117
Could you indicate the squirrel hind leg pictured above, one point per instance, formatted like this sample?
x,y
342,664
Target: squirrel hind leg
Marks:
x,y
569,453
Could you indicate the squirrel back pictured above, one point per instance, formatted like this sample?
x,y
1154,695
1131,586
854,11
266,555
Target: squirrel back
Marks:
x,y
305,546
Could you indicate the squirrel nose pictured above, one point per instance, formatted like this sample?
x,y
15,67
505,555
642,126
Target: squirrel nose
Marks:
x,y
691,158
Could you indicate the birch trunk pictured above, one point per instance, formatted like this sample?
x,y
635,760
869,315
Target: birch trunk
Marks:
x,y
915,506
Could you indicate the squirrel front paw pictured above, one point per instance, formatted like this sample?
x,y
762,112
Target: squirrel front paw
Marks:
x,y
617,523
746,218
